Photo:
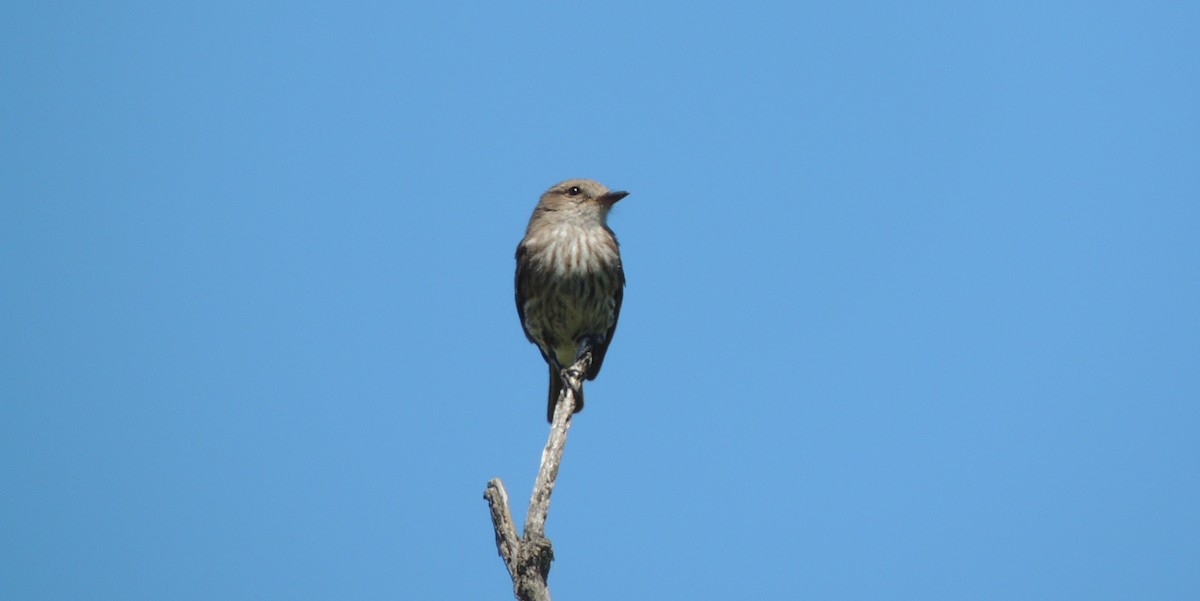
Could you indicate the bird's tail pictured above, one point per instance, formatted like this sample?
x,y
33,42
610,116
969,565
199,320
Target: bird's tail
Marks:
x,y
555,389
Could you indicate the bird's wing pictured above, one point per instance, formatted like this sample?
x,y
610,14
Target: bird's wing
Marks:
x,y
518,287
602,348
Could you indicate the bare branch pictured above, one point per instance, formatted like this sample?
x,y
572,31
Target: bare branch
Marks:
x,y
528,558
506,531
539,503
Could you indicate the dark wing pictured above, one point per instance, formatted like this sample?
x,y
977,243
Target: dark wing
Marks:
x,y
602,348
521,280
517,287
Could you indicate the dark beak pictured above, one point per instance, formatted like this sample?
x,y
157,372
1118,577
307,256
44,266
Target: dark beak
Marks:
x,y
611,198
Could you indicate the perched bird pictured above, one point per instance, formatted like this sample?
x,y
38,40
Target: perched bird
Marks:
x,y
569,278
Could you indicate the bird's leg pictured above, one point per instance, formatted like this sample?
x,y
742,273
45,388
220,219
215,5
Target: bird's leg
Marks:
x,y
583,356
574,371
566,374
586,344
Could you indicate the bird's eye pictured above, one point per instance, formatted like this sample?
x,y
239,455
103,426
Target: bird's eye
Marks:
x,y
574,191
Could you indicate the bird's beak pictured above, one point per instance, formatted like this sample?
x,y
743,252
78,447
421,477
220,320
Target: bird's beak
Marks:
x,y
608,199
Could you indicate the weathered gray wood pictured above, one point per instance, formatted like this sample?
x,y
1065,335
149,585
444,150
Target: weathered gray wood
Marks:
x,y
528,558
506,531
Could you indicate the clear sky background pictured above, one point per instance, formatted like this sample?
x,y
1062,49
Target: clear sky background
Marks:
x,y
913,307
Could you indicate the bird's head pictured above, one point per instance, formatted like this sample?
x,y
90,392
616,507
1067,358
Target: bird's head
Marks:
x,y
580,197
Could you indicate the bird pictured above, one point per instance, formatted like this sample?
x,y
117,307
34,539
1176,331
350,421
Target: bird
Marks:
x,y
569,280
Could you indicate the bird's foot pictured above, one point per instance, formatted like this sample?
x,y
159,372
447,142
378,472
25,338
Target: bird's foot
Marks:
x,y
572,374
587,345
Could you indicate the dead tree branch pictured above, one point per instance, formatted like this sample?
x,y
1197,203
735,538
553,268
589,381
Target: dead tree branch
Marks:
x,y
528,557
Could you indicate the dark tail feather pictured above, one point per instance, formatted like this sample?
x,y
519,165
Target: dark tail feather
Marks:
x,y
555,388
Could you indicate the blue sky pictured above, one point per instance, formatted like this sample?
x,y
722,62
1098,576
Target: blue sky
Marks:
x,y
911,308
